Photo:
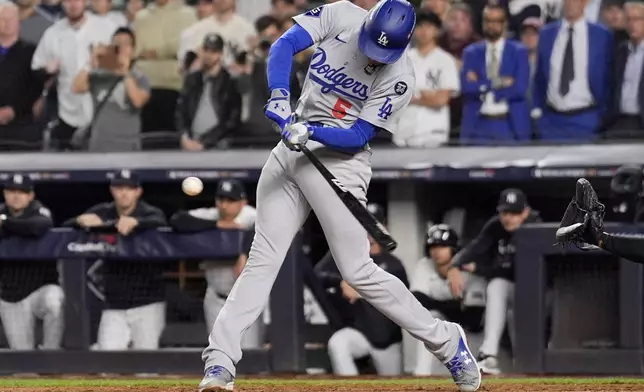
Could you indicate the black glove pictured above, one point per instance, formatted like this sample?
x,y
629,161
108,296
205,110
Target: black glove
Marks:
x,y
583,221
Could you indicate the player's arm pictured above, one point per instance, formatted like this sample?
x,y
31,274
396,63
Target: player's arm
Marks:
x,y
151,218
201,219
35,224
478,248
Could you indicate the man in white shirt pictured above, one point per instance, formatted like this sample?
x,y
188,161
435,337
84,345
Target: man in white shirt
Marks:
x,y
103,8
236,31
426,121
64,50
572,82
494,80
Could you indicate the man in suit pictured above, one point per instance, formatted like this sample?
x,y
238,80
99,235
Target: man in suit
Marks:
x,y
494,79
627,112
572,82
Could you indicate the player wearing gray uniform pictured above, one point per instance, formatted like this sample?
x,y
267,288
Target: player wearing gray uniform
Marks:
x,y
358,81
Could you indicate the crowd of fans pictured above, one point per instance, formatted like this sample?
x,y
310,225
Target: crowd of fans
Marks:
x,y
108,76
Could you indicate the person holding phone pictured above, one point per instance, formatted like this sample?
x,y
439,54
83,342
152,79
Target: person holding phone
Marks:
x,y
123,91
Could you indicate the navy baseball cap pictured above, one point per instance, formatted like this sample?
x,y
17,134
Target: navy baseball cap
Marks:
x,y
230,189
19,182
125,178
512,200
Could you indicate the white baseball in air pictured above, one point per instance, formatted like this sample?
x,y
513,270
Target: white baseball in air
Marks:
x,y
192,186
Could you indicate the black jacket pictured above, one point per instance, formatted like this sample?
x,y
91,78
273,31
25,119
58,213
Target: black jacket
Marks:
x,y
492,250
20,278
130,283
225,99
379,330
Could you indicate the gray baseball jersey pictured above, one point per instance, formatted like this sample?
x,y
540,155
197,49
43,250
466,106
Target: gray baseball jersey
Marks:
x,y
341,86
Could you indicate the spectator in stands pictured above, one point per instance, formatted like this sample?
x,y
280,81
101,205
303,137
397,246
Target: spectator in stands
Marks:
x,y
103,8
491,255
425,122
209,108
257,129
231,211
205,9
439,7
133,7
458,33
370,333
530,39
63,50
283,9
29,289
119,92
157,29
19,85
494,79
626,119
53,8
134,290
236,31
253,9
33,21
366,4
614,17
430,286
572,96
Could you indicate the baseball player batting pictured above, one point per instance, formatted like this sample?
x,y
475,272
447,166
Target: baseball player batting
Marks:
x,y
358,81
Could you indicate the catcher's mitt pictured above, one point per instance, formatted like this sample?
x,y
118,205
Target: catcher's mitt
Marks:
x,y
583,221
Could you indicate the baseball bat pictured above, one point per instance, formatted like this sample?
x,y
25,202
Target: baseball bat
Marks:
x,y
376,229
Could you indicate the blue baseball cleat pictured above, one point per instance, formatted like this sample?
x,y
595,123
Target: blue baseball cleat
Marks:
x,y
465,371
216,379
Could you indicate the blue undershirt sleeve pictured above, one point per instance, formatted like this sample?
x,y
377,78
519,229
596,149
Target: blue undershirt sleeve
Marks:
x,y
280,57
353,138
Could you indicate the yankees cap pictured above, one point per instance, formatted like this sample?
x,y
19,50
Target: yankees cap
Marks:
x,y
125,178
512,200
230,189
19,182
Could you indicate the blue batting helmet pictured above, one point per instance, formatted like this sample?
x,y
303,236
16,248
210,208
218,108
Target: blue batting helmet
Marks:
x,y
386,32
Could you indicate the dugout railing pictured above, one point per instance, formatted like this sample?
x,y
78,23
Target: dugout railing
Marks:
x,y
72,249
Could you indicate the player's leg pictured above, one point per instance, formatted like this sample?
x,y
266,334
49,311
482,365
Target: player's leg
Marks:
x,y
344,347
220,280
49,308
18,321
388,361
113,331
350,248
147,324
499,291
281,211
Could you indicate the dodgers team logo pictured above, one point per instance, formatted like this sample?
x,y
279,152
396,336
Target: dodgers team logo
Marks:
x,y
315,12
334,79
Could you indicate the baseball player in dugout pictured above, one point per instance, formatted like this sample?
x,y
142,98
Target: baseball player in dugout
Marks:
x,y
359,79
367,332
134,313
430,286
491,255
231,211
29,289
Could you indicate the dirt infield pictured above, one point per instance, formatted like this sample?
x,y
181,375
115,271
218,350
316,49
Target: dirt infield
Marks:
x,y
491,387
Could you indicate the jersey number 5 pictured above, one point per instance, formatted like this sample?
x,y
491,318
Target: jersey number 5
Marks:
x,y
340,109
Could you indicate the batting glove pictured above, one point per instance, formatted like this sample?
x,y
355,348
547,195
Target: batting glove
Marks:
x,y
295,135
278,109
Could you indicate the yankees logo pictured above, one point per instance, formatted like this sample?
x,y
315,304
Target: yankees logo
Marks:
x,y
339,185
433,79
333,79
382,40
